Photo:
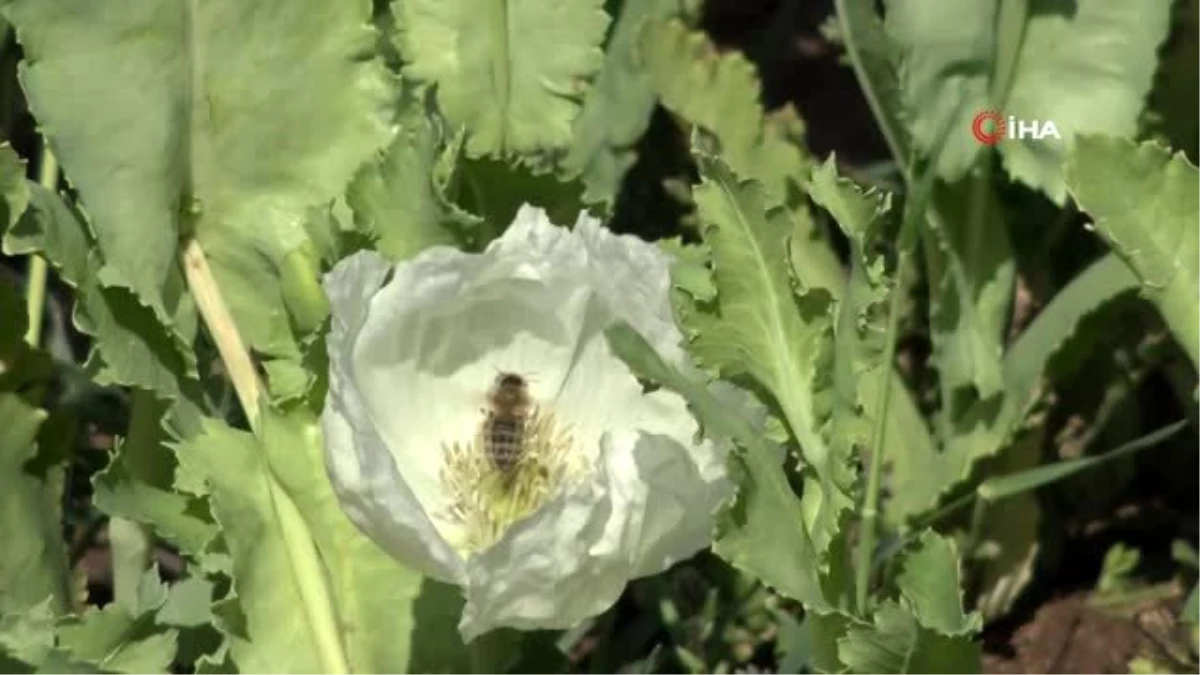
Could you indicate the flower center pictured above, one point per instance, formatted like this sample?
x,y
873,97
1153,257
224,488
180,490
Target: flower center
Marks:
x,y
506,473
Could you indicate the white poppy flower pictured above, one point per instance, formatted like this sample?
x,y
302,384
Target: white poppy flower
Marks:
x,y
610,484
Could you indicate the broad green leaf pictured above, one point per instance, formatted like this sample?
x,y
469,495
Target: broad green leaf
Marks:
x,y
949,56
617,109
395,199
1143,201
1058,79
763,530
972,273
761,329
131,346
1055,330
33,567
931,584
314,591
14,191
138,484
945,53
917,485
511,72
494,191
898,643
120,638
227,121
26,637
720,93
927,631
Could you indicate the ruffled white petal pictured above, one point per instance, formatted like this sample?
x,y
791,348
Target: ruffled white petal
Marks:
x,y
372,492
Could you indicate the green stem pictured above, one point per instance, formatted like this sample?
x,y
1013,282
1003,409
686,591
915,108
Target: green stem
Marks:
x,y
131,543
131,548
305,561
914,214
1011,18
35,290
861,29
870,511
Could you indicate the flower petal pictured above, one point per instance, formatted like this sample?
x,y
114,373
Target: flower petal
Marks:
x,y
363,472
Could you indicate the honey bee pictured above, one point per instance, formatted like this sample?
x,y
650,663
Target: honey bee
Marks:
x,y
505,421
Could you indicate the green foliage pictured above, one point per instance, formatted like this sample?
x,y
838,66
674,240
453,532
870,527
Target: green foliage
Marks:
x,y
204,150
509,73
720,93
310,588
925,631
278,138
762,329
961,59
763,531
1143,201
616,110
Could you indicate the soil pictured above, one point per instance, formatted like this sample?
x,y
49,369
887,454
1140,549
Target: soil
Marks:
x,y
1069,635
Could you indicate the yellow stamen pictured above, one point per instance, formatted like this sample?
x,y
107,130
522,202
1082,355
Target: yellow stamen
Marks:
x,y
485,501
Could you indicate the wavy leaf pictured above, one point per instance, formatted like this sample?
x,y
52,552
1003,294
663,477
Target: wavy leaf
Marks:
x,y
223,120
1143,201
510,72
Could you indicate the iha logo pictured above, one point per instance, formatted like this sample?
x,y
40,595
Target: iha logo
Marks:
x,y
990,127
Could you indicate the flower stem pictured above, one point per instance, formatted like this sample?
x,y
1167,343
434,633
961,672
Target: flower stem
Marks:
x,y
221,326
35,289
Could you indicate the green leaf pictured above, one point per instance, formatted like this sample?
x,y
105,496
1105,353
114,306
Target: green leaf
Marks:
x,y
131,346
617,109
930,582
138,484
494,190
33,567
761,329
720,92
1057,79
1027,364
395,198
1143,201
999,487
972,273
873,55
511,72
121,638
14,191
315,592
227,122
763,530
927,631
907,440
945,54
950,54
862,309
898,643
